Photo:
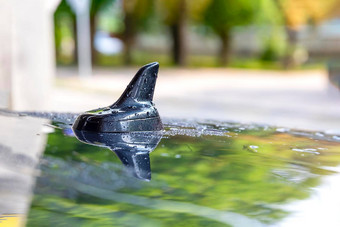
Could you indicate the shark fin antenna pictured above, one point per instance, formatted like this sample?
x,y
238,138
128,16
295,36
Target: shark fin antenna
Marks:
x,y
142,86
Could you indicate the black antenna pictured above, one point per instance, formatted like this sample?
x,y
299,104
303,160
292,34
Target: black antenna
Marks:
x,y
132,148
142,86
133,111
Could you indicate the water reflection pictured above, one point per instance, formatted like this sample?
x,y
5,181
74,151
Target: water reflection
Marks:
x,y
132,148
204,174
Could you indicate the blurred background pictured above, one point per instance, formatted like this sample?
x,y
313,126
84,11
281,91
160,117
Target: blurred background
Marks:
x,y
264,61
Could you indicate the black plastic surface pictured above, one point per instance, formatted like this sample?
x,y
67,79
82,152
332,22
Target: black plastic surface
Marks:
x,y
132,148
133,111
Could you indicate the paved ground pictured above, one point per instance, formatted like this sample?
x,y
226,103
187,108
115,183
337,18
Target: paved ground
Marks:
x,y
300,99
21,143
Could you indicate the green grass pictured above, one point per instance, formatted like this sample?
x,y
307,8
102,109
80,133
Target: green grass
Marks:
x,y
199,61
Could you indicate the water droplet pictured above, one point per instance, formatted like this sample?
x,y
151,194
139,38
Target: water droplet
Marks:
x,y
251,148
336,137
282,130
307,150
319,134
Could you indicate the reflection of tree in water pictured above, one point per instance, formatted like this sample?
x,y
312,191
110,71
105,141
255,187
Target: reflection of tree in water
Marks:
x,y
250,173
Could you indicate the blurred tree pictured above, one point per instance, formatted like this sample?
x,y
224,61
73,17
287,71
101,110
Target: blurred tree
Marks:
x,y
96,7
223,15
136,15
216,172
297,13
174,14
269,19
335,11
65,34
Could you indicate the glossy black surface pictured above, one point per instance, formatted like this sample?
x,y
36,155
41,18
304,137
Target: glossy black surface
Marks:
x,y
203,174
132,148
133,111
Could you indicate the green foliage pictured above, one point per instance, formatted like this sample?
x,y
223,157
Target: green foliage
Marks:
x,y
98,5
222,15
109,20
64,20
140,12
83,185
168,10
199,61
272,51
268,14
127,19
105,16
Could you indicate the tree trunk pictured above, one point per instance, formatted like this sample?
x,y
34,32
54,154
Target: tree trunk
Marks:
x,y
178,29
75,39
288,60
225,48
129,37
